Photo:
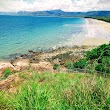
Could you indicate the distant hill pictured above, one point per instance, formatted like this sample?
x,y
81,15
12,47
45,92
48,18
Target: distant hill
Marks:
x,y
61,13
98,13
68,14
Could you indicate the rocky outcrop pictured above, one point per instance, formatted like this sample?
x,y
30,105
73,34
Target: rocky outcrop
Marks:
x,y
42,66
4,65
21,64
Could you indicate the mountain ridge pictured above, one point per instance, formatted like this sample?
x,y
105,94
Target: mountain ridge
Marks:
x,y
61,13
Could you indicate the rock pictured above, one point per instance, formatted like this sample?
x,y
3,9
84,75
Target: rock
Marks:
x,y
4,65
21,64
30,51
56,61
42,66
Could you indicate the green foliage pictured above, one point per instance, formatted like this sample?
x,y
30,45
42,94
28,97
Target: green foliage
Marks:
x,y
31,97
99,52
107,19
102,68
59,92
55,66
97,59
99,68
7,72
70,65
101,56
103,18
81,64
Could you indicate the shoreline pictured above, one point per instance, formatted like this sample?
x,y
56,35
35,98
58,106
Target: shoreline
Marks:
x,y
98,33
45,60
50,51
95,41
87,41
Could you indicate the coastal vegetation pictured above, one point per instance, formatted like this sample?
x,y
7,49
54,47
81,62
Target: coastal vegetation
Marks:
x,y
55,66
57,91
96,60
34,90
79,64
50,76
106,19
7,72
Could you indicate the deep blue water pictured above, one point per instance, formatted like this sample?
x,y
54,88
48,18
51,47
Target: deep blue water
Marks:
x,y
18,34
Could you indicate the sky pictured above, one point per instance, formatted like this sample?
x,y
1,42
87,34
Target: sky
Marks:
x,y
65,5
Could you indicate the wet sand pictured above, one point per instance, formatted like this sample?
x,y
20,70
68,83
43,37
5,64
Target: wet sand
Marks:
x,y
98,33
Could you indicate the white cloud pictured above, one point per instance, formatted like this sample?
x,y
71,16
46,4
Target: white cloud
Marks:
x,y
66,5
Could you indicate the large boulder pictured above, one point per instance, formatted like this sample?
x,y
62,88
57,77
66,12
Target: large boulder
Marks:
x,y
4,65
21,64
42,66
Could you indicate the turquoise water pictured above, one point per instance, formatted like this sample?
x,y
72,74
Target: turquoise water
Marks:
x,y
18,34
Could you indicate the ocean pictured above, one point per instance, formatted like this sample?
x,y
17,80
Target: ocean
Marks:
x,y
18,34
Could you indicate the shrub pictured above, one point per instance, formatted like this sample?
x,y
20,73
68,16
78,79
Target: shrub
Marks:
x,y
81,64
99,68
97,59
55,66
101,51
101,56
69,65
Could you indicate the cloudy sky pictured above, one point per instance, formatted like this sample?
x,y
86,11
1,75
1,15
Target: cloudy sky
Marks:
x,y
65,5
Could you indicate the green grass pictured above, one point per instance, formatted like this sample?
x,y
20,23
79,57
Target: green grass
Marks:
x,y
6,73
50,91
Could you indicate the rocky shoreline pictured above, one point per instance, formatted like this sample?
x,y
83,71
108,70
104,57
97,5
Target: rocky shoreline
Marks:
x,y
44,60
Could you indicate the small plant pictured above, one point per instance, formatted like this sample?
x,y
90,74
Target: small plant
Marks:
x,y
7,72
69,65
81,64
55,66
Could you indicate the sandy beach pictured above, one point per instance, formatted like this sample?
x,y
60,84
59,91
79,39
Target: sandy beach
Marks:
x,y
91,34
98,32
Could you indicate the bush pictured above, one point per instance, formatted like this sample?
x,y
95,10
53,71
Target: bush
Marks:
x,y
55,66
101,56
69,65
99,68
81,64
101,51
106,60
98,59
102,68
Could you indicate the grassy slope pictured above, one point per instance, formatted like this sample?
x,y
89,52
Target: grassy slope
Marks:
x,y
50,91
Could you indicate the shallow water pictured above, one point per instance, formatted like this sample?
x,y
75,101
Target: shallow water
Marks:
x,y
18,34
